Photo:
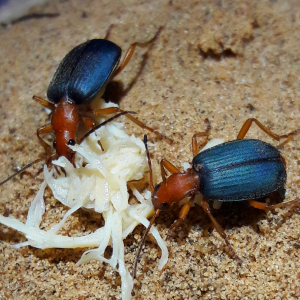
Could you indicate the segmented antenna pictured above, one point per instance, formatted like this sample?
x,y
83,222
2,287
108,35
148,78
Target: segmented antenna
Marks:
x,y
156,212
104,123
26,167
143,242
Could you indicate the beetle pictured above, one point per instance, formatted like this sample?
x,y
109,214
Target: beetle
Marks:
x,y
81,77
240,170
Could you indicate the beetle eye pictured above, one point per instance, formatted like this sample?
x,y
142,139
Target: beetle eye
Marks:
x,y
164,206
54,144
71,142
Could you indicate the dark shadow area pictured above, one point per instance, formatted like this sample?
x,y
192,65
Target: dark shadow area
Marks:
x,y
210,54
115,91
229,216
31,16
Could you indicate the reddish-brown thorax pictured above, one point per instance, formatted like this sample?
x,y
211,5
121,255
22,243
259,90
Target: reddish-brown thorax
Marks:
x,y
177,187
64,122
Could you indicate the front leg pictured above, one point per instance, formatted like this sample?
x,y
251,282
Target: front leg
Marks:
x,y
44,102
200,134
183,213
165,164
45,129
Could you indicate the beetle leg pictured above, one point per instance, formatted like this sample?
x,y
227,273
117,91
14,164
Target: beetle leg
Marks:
x,y
245,128
264,206
289,137
194,141
89,123
130,52
126,59
200,134
112,110
149,163
44,129
206,209
169,166
183,213
43,102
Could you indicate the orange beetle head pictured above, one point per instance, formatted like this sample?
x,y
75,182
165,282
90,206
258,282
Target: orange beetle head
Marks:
x,y
160,198
63,140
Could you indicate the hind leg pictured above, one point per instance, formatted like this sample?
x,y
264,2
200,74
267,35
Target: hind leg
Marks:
x,y
220,230
264,206
245,128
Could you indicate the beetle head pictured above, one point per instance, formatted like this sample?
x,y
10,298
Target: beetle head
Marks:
x,y
161,199
64,139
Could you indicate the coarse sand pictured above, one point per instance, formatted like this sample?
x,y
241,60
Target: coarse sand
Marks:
x,y
225,61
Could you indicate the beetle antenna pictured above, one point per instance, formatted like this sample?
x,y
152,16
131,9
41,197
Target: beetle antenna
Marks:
x,y
143,241
149,163
156,212
104,123
26,167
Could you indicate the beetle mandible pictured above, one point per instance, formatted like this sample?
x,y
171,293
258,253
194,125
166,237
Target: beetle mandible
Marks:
x,y
240,170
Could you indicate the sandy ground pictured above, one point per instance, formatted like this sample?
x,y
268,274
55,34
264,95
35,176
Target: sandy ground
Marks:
x,y
222,60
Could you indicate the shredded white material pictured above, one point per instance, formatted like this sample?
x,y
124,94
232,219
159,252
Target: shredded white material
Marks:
x,y
212,143
99,181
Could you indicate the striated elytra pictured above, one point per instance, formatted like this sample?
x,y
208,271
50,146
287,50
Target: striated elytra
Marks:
x,y
239,170
85,71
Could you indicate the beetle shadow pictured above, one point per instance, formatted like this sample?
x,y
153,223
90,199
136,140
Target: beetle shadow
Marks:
x,y
115,91
231,215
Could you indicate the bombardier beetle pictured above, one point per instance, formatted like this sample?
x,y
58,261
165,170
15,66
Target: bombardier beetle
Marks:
x,y
81,77
240,170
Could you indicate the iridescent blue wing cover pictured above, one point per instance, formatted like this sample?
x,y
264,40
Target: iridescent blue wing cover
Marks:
x,y
85,71
239,170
